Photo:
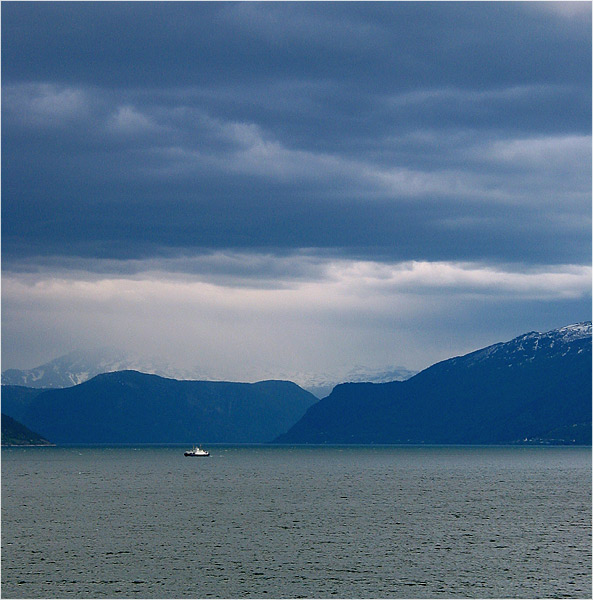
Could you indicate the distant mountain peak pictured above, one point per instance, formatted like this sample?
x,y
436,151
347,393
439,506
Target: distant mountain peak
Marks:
x,y
81,365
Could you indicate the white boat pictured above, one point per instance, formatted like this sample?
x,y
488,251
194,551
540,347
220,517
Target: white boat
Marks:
x,y
196,451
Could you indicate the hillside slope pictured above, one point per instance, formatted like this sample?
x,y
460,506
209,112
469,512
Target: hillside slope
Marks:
x,y
521,390
16,434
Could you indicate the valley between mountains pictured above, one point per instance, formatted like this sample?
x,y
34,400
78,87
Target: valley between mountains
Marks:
x,y
535,389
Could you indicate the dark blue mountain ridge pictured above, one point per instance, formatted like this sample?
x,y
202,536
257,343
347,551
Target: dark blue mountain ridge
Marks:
x,y
522,390
134,407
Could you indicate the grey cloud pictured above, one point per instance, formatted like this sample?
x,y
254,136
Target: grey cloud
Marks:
x,y
328,184
230,269
377,44
378,131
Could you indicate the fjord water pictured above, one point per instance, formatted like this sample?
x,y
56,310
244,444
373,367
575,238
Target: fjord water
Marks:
x,y
287,522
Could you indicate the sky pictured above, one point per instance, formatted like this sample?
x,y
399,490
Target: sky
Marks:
x,y
255,190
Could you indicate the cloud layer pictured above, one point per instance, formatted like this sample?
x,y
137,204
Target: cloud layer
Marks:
x,y
288,164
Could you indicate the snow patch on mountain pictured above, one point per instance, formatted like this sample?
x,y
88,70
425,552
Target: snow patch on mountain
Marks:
x,y
574,332
522,349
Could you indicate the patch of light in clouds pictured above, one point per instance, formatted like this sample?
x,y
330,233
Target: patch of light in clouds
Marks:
x,y
227,323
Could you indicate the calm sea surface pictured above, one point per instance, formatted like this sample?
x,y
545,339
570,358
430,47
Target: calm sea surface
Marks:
x,y
288,522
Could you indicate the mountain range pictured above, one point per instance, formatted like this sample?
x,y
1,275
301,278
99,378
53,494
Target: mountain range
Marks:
x,y
81,365
536,387
133,407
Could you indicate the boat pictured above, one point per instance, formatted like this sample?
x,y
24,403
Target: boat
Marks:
x,y
196,451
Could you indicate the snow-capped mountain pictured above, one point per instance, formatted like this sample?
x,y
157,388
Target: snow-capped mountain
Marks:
x,y
81,365
65,371
558,342
535,388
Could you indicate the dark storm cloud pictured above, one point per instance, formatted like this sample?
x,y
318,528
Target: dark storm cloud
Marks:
x,y
384,45
383,131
